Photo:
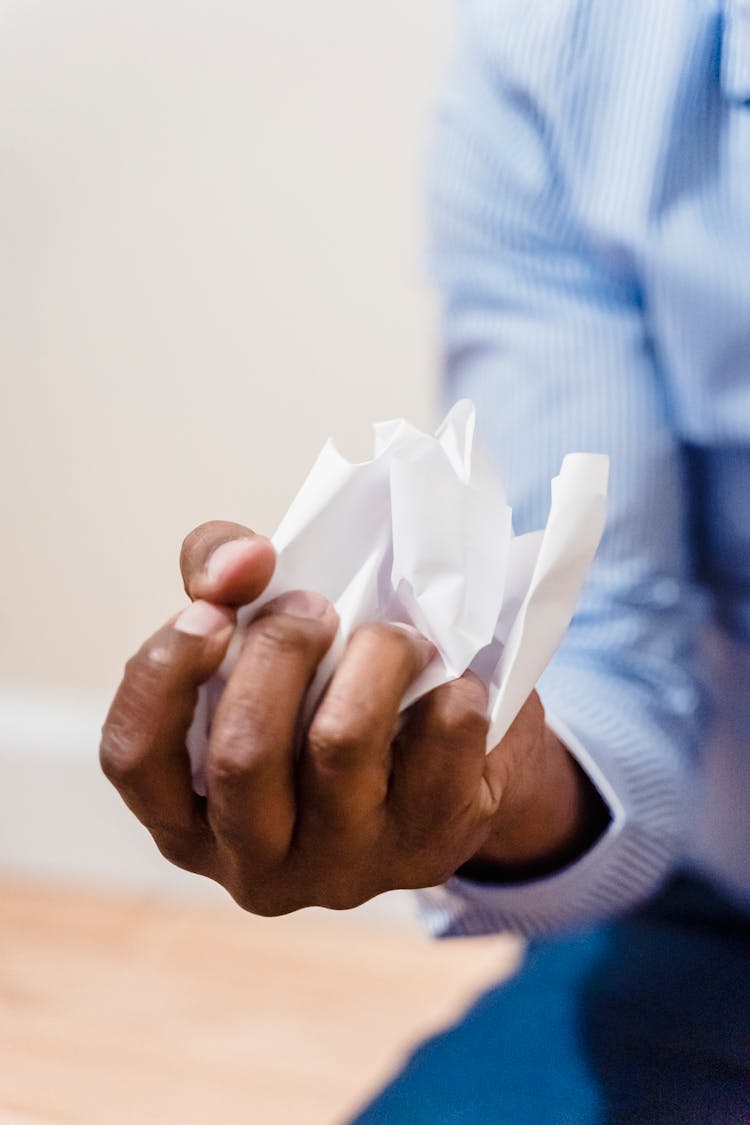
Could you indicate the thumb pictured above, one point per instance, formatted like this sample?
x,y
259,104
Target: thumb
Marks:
x,y
226,563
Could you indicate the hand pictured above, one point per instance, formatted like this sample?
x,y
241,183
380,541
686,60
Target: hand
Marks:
x,y
364,804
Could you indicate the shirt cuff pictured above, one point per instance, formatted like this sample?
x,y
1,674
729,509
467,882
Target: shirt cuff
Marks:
x,y
637,780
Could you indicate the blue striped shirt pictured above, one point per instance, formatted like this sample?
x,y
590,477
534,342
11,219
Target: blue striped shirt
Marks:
x,y
590,200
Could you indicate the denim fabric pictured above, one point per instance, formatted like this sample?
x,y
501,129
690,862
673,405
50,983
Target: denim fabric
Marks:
x,y
645,1021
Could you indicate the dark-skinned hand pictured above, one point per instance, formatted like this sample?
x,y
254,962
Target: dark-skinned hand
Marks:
x,y
367,803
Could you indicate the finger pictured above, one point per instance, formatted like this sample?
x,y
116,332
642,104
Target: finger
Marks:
x,y
251,756
346,761
143,750
226,563
439,758
514,762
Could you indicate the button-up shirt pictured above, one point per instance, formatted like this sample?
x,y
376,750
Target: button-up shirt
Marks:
x,y
590,200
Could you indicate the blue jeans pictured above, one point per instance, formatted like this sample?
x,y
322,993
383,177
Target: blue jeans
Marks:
x,y
645,1021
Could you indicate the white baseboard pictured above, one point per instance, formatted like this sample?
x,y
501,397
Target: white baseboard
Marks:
x,y
61,820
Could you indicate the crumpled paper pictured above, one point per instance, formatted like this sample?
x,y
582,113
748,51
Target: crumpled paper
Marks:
x,y
421,535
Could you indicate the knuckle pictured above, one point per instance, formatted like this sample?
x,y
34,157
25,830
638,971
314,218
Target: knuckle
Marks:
x,y
344,899
460,725
121,755
334,744
458,715
148,663
263,902
381,632
178,847
117,760
277,907
345,892
128,733
148,673
380,637
472,690
230,754
248,899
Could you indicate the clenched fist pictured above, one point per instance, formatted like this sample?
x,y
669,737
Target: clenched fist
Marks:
x,y
361,802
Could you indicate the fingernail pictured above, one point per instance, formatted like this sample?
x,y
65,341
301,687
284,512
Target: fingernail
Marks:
x,y
201,619
300,603
225,556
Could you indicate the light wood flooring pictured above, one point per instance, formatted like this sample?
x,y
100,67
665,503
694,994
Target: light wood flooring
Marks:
x,y
121,1010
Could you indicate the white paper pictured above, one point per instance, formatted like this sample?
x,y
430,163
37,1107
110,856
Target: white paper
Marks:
x,y
421,535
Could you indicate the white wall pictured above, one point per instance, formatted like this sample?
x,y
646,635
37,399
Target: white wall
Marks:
x,y
210,259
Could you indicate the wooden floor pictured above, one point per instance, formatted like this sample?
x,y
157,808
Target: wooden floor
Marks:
x,y
126,1011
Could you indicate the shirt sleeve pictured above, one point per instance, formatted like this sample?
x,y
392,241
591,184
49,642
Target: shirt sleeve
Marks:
x,y
544,328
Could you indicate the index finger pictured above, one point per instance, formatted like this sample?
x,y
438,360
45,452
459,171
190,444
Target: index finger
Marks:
x,y
143,750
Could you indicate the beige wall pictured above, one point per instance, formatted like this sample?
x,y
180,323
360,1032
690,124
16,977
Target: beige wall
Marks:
x,y
211,239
